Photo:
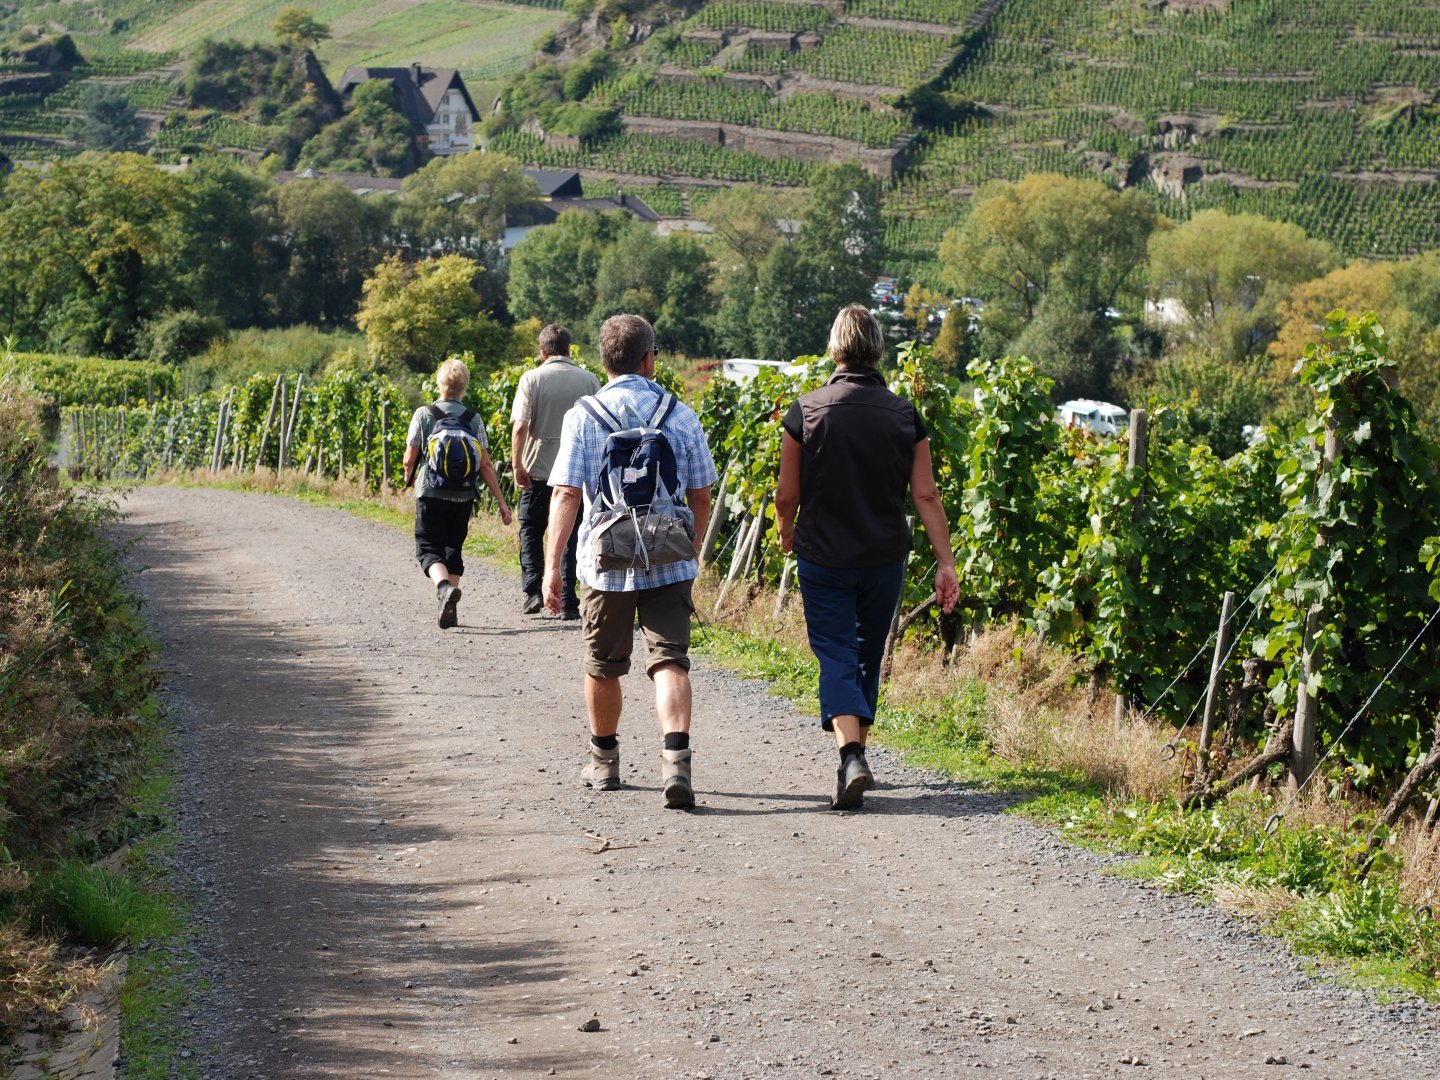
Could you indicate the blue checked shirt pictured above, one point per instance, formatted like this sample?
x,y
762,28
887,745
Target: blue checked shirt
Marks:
x,y
577,464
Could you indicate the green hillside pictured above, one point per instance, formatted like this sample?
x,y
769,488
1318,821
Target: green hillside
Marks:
x,y
140,45
1322,112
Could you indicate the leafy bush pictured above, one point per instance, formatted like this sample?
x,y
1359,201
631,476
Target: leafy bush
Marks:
x,y
295,350
178,335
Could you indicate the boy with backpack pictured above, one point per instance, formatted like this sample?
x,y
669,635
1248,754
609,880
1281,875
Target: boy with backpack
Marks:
x,y
634,467
446,457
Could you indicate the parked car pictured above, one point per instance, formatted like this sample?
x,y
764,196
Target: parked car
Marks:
x,y
1098,416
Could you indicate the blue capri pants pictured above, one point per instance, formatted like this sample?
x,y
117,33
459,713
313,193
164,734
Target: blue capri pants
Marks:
x,y
847,617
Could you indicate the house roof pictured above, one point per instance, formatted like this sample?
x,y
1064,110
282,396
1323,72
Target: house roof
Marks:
x,y
547,212
543,213
556,183
419,89
360,183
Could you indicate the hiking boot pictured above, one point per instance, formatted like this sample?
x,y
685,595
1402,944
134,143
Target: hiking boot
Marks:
x,y
449,597
675,779
532,605
603,772
570,614
852,780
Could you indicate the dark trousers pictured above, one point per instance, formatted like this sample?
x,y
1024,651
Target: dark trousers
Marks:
x,y
847,617
534,517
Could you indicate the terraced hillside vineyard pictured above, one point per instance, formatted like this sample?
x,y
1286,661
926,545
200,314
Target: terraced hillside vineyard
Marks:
x,y
1321,112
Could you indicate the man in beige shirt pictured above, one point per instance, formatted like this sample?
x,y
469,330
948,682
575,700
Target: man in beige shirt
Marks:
x,y
543,397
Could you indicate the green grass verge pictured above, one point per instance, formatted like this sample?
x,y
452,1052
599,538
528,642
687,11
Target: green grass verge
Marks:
x,y
160,978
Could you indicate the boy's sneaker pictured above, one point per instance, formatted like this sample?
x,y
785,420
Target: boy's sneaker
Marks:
x,y
675,779
603,772
852,780
449,597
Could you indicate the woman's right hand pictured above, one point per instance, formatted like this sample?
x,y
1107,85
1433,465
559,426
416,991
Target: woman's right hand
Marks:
x,y
947,588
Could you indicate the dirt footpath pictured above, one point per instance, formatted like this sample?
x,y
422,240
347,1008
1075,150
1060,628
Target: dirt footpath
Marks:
x,y
398,875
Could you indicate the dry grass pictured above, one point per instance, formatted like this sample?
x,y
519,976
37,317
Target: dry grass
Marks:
x,y
35,984
1043,712
1419,846
1268,902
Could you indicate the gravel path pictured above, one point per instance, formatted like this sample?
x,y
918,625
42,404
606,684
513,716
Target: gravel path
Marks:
x,y
389,848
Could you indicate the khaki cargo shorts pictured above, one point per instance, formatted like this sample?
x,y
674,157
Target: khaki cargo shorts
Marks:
x,y
609,620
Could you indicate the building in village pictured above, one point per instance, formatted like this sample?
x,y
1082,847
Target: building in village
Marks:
x,y
560,190
433,99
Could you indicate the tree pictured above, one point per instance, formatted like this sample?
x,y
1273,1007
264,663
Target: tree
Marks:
x,y
419,313
799,287
1215,398
1070,344
786,319
749,221
841,240
107,120
553,270
665,279
224,240
1229,274
373,137
463,202
1406,297
324,240
296,26
90,247
1047,233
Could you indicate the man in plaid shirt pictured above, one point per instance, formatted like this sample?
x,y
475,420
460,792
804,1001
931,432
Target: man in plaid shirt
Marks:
x,y
659,598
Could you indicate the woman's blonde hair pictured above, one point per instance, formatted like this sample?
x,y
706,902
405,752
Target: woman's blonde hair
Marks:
x,y
855,338
453,378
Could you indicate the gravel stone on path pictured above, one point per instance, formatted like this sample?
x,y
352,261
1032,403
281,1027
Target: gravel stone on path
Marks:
x,y
397,872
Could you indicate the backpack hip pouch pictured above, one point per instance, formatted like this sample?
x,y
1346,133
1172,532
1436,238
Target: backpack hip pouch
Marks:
x,y
627,539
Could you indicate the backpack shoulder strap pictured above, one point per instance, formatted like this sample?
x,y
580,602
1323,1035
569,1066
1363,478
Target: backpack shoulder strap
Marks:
x,y
436,411
601,415
467,416
663,409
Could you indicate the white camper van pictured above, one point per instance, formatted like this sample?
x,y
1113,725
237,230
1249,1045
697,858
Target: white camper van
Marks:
x,y
1098,416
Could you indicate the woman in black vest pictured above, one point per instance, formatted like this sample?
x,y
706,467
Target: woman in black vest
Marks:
x,y
850,452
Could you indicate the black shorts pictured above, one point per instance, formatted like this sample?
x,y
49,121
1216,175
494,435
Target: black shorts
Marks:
x,y
440,528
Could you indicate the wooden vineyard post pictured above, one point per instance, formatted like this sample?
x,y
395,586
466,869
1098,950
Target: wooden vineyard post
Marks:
x,y
287,435
752,557
1139,446
385,445
280,431
1302,758
787,577
217,450
269,416
737,557
720,513
1222,649
365,450
1302,761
